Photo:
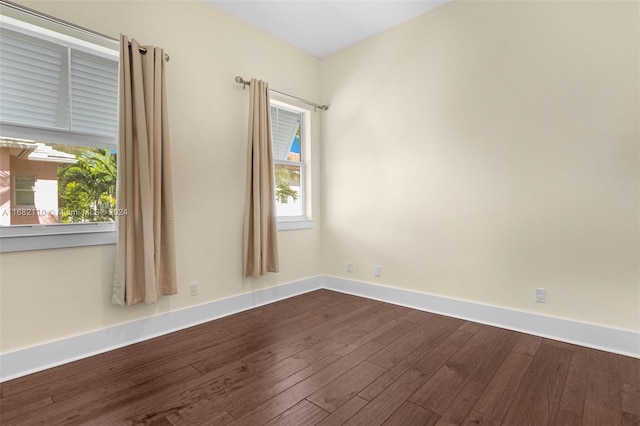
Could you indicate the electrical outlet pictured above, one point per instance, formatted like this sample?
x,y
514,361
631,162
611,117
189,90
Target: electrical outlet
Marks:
x,y
377,271
541,295
193,289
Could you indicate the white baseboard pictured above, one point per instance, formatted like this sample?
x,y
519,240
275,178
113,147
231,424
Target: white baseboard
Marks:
x,y
33,359
47,355
595,336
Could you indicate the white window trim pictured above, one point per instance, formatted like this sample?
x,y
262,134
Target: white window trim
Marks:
x,y
305,221
288,223
57,235
89,45
35,133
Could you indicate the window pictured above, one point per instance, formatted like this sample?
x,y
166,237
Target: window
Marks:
x,y
290,139
24,191
58,134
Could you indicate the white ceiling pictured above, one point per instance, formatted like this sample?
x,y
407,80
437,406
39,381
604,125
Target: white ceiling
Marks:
x,y
323,26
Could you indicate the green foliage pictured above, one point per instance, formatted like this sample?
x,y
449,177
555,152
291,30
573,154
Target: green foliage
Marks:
x,y
86,190
284,191
284,176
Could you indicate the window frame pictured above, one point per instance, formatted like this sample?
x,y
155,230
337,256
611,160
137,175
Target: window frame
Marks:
x,y
304,221
60,235
33,179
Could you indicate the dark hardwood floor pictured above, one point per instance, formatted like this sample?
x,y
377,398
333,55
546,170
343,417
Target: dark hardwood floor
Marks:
x,y
326,358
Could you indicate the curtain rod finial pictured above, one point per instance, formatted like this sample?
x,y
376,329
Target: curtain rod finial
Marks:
x,y
242,81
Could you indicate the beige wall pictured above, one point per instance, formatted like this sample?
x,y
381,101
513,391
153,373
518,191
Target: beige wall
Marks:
x,y
487,148
51,294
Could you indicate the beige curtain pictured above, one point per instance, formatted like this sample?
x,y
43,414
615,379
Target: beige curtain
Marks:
x,y
260,239
145,262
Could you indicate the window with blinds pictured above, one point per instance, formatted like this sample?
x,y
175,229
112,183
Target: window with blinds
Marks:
x,y
58,133
288,145
56,90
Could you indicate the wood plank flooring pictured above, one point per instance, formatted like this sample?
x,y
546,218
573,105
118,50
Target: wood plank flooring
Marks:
x,y
326,358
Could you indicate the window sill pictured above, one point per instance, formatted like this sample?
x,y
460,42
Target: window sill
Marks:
x,y
42,237
290,224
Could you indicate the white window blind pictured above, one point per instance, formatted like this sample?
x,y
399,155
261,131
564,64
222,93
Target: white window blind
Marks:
x,y
55,92
94,94
32,81
284,125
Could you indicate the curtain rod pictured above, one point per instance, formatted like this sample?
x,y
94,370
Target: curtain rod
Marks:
x,y
67,24
246,83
